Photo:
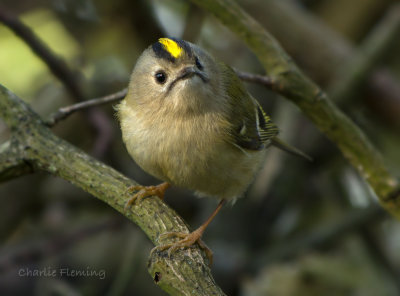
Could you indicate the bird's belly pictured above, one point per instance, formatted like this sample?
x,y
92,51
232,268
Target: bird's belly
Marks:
x,y
206,165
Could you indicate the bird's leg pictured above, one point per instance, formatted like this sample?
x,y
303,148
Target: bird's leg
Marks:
x,y
189,239
144,191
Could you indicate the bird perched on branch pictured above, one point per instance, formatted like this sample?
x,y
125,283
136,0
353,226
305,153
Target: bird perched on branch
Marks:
x,y
188,120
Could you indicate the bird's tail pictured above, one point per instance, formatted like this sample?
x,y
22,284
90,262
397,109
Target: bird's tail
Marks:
x,y
290,149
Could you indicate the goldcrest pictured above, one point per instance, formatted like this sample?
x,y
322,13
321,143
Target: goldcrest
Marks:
x,y
188,120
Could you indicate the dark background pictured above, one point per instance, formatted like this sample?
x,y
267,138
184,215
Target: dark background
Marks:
x,y
302,229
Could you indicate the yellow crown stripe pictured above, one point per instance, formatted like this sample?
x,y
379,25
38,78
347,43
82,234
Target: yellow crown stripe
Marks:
x,y
171,46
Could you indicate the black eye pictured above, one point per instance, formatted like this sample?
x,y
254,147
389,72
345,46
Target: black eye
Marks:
x,y
198,64
160,77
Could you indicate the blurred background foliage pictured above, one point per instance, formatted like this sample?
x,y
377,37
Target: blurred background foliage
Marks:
x,y
303,228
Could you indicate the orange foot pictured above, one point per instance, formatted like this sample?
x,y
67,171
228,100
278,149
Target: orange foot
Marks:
x,y
144,191
187,240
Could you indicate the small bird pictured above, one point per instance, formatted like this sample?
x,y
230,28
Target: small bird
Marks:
x,y
188,120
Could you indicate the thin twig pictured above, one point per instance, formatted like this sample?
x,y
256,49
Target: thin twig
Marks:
x,y
329,51
45,151
64,112
297,87
56,64
70,79
256,78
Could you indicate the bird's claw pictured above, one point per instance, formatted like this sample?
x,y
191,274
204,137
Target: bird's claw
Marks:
x,y
145,191
187,240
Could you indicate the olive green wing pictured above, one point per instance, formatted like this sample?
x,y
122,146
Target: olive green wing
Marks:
x,y
256,131
267,129
251,128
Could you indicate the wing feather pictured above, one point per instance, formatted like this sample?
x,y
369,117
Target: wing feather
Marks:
x,y
252,128
267,129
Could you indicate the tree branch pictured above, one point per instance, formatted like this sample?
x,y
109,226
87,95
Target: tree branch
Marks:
x,y
68,77
12,165
56,65
181,274
303,35
64,112
255,78
298,88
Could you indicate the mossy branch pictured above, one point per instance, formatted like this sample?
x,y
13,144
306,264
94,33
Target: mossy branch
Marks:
x,y
34,147
297,87
12,164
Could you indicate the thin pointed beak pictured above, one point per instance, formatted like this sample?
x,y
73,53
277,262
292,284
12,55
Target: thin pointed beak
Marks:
x,y
187,73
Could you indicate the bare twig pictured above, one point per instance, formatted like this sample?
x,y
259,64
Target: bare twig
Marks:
x,y
69,78
256,78
181,273
56,64
64,112
304,36
294,85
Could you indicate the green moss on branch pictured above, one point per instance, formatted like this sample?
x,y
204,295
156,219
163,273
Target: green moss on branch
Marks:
x,y
298,88
33,142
